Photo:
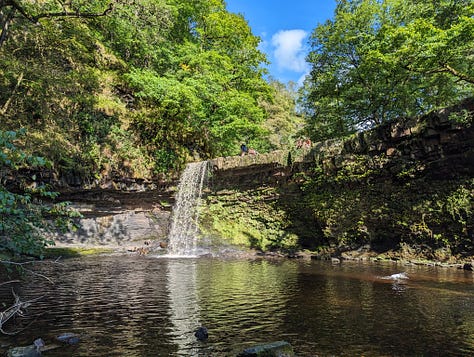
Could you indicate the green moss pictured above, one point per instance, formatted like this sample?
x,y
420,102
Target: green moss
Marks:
x,y
247,219
74,252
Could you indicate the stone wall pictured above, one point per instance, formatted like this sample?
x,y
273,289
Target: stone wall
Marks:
x,y
437,145
405,181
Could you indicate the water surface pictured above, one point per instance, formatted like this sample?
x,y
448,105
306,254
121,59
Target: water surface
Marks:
x,y
145,306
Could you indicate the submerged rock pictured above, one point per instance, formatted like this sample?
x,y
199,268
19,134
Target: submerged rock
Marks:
x,y
69,338
26,351
273,349
201,333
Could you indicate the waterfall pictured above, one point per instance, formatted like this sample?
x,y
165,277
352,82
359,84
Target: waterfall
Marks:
x,y
184,220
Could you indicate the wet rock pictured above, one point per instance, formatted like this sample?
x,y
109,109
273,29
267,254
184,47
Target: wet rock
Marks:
x,y
273,349
26,351
69,338
201,333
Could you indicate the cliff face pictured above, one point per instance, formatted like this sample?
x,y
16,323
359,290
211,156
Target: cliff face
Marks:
x,y
407,182
118,219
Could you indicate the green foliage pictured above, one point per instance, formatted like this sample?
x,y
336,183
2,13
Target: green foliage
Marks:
x,y
463,117
378,60
371,209
173,80
283,123
24,218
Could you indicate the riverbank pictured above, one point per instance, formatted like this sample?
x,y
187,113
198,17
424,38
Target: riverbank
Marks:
x,y
405,256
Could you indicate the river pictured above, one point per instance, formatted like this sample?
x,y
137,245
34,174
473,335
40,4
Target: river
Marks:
x,y
149,306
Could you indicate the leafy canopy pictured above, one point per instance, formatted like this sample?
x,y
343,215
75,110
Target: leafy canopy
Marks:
x,y
377,60
137,90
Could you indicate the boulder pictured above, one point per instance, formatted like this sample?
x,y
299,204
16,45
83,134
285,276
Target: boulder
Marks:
x,y
273,349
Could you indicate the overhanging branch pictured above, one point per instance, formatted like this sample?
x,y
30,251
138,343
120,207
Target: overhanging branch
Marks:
x,y
36,18
16,8
458,74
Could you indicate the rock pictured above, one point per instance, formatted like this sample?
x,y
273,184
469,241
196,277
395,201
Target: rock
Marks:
x,y
467,266
38,343
201,333
398,276
273,349
69,338
163,245
26,351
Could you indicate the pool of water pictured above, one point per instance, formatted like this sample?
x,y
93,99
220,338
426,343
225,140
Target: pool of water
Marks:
x,y
146,306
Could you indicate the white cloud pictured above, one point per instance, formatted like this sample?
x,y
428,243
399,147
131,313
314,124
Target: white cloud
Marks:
x,y
289,51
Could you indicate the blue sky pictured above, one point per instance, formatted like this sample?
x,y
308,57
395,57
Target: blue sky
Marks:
x,y
284,27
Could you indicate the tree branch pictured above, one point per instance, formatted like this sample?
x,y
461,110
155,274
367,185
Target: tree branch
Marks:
x,y
4,109
15,309
17,8
36,18
6,19
458,74
443,68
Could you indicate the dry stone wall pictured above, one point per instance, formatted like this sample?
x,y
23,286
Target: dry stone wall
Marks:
x,y
434,143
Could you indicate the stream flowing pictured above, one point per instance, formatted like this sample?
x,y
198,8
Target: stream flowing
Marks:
x,y
130,305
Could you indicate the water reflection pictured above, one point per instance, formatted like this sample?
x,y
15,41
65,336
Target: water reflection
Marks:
x,y
184,306
141,306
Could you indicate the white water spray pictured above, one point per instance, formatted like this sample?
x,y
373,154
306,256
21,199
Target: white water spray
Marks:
x,y
184,221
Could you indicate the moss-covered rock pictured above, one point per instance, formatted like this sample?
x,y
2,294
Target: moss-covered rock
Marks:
x,y
407,183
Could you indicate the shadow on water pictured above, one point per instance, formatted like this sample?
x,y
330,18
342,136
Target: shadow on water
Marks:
x,y
143,306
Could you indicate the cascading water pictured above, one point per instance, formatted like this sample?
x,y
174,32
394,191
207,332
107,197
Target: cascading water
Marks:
x,y
184,221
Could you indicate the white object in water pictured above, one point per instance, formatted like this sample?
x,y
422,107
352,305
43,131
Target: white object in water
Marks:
x,y
397,276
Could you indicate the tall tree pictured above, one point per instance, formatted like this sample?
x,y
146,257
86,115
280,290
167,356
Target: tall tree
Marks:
x,y
377,60
208,93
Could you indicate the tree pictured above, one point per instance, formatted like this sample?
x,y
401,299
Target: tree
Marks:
x,y
378,60
284,122
10,10
24,218
138,92
206,99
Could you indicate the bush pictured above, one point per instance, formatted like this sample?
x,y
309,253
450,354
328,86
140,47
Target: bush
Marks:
x,y
27,213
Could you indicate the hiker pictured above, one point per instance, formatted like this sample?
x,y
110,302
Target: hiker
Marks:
x,y
252,152
299,143
243,150
307,143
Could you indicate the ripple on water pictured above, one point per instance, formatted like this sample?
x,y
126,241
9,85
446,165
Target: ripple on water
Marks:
x,y
136,306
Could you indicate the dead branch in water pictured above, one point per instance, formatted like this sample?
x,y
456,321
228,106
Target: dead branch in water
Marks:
x,y
16,309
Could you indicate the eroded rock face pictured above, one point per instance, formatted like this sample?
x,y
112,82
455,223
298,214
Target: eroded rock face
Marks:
x,y
119,229
115,218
